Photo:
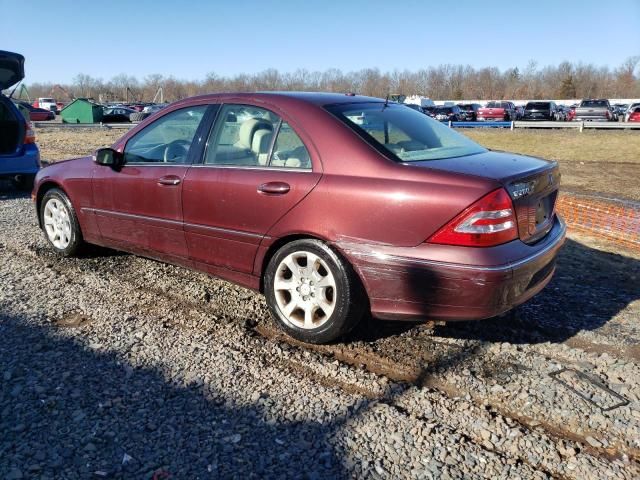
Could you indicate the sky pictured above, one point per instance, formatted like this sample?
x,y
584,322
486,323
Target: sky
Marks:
x,y
190,38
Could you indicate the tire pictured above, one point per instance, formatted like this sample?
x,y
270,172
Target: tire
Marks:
x,y
62,229
325,301
138,116
24,182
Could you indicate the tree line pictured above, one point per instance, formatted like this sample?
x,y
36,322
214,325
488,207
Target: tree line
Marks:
x,y
454,82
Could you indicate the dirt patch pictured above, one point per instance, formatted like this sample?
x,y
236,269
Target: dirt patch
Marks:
x,y
61,144
73,320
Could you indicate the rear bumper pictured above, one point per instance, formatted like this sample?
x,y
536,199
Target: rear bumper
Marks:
x,y
441,282
584,118
25,163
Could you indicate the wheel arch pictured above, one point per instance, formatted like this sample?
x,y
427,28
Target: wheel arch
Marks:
x,y
282,241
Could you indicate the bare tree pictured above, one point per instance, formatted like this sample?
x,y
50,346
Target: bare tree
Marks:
x,y
455,82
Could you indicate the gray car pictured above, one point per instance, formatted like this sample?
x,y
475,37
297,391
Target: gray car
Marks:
x,y
594,110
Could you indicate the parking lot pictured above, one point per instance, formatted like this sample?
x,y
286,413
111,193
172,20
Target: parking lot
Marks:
x,y
114,366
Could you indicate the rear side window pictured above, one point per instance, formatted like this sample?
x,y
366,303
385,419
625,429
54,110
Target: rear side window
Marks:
x,y
289,151
245,135
167,140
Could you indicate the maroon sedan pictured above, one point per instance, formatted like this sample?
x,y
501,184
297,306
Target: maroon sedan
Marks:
x,y
39,114
331,205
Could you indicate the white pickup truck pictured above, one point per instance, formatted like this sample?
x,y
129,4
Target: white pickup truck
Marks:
x,y
47,104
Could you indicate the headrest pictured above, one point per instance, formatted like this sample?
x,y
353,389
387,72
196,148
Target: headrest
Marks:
x,y
248,128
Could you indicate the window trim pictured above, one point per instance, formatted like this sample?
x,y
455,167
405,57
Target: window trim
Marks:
x,y
197,138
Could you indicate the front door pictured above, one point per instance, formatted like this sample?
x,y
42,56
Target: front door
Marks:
x,y
138,207
255,169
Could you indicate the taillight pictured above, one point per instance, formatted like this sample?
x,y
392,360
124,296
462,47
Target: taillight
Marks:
x,y
29,134
489,221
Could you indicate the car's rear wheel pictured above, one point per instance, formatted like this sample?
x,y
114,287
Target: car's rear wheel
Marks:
x,y
60,223
312,292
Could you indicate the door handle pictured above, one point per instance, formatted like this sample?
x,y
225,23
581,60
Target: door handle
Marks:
x,y
274,188
169,180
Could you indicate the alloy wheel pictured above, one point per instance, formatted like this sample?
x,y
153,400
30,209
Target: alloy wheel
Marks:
x,y
57,223
305,290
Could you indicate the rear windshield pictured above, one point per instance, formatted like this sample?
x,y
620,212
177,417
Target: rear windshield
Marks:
x,y
444,110
47,100
594,103
402,133
497,105
538,106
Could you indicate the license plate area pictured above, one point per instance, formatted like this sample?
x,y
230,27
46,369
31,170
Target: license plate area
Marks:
x,y
544,211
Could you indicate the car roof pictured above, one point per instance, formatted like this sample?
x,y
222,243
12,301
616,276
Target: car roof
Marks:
x,y
316,98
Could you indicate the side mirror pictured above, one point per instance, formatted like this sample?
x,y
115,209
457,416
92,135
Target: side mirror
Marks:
x,y
107,156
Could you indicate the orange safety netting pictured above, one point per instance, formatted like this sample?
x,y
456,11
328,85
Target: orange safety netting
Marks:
x,y
613,220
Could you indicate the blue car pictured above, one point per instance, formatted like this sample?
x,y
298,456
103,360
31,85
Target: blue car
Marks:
x,y
19,153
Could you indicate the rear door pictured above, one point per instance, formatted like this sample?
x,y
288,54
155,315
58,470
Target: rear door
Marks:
x,y
138,207
255,169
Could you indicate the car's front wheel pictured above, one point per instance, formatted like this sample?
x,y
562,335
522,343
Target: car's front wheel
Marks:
x,y
312,292
60,223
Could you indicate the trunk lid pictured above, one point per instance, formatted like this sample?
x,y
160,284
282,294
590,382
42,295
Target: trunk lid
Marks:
x,y
532,183
11,69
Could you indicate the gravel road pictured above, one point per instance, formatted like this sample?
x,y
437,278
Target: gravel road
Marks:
x,y
114,366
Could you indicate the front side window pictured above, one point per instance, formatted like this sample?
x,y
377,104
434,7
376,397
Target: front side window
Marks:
x,y
402,133
167,140
251,136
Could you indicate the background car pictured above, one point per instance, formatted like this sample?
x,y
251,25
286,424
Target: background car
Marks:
x,y
519,112
540,110
148,110
470,111
415,107
498,111
38,114
241,186
117,115
621,109
19,153
450,113
154,108
594,110
429,111
563,113
634,115
629,110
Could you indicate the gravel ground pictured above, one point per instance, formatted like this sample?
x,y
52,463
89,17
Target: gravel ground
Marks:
x,y
114,366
